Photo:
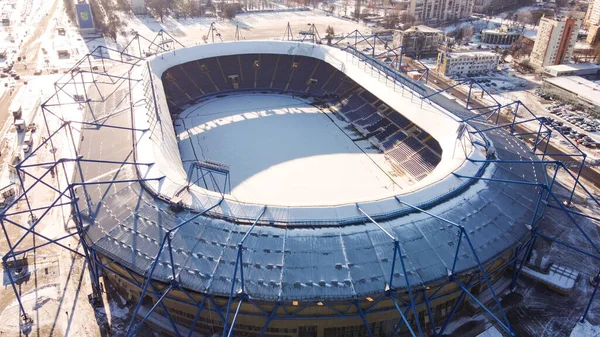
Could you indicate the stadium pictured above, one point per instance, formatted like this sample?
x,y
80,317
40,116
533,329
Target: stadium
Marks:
x,y
285,188
288,190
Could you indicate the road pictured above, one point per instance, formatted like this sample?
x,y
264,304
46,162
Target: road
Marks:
x,y
31,47
436,81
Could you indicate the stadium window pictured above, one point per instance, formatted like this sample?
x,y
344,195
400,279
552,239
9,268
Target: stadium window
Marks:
x,y
256,64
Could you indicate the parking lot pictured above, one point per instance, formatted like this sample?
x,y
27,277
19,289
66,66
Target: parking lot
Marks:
x,y
577,125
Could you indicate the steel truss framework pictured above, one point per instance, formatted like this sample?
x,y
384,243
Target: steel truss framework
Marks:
x,y
405,298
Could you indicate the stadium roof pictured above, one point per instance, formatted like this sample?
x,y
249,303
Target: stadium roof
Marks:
x,y
128,224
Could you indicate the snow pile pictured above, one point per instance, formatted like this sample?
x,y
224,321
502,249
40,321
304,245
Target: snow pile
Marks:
x,y
560,278
491,332
585,329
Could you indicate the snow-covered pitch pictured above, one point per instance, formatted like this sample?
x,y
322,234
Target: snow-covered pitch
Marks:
x,y
283,151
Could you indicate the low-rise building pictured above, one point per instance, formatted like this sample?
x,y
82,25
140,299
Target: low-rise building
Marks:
x,y
419,40
466,63
586,70
574,88
505,35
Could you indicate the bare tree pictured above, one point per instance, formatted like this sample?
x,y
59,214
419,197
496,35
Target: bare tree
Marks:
x,y
520,49
391,20
331,9
357,10
159,8
330,34
230,11
467,34
70,9
537,14
183,7
407,19
524,17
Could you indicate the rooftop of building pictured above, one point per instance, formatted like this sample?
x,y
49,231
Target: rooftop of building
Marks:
x,y
583,88
572,67
557,18
470,53
423,28
504,29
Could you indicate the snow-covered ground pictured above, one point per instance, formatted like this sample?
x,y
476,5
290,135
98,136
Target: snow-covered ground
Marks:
x,y
283,151
585,329
252,26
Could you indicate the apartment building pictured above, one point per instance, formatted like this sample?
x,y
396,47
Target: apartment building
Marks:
x,y
592,21
436,11
555,41
592,16
466,63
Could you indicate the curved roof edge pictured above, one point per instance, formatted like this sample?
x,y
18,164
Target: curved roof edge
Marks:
x,y
159,145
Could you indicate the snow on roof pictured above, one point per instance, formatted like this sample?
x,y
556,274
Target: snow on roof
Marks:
x,y
471,53
424,29
316,262
573,67
579,86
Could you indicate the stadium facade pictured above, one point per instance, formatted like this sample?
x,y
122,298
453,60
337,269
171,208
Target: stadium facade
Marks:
x,y
316,261
194,260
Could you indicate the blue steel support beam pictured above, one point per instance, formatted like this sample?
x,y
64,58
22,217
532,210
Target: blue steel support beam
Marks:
x,y
589,305
475,257
429,312
460,299
398,251
507,328
269,319
33,225
403,319
130,332
501,126
235,316
505,181
81,159
40,245
577,179
363,317
131,328
570,216
40,181
110,126
40,235
115,181
506,324
239,263
196,317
